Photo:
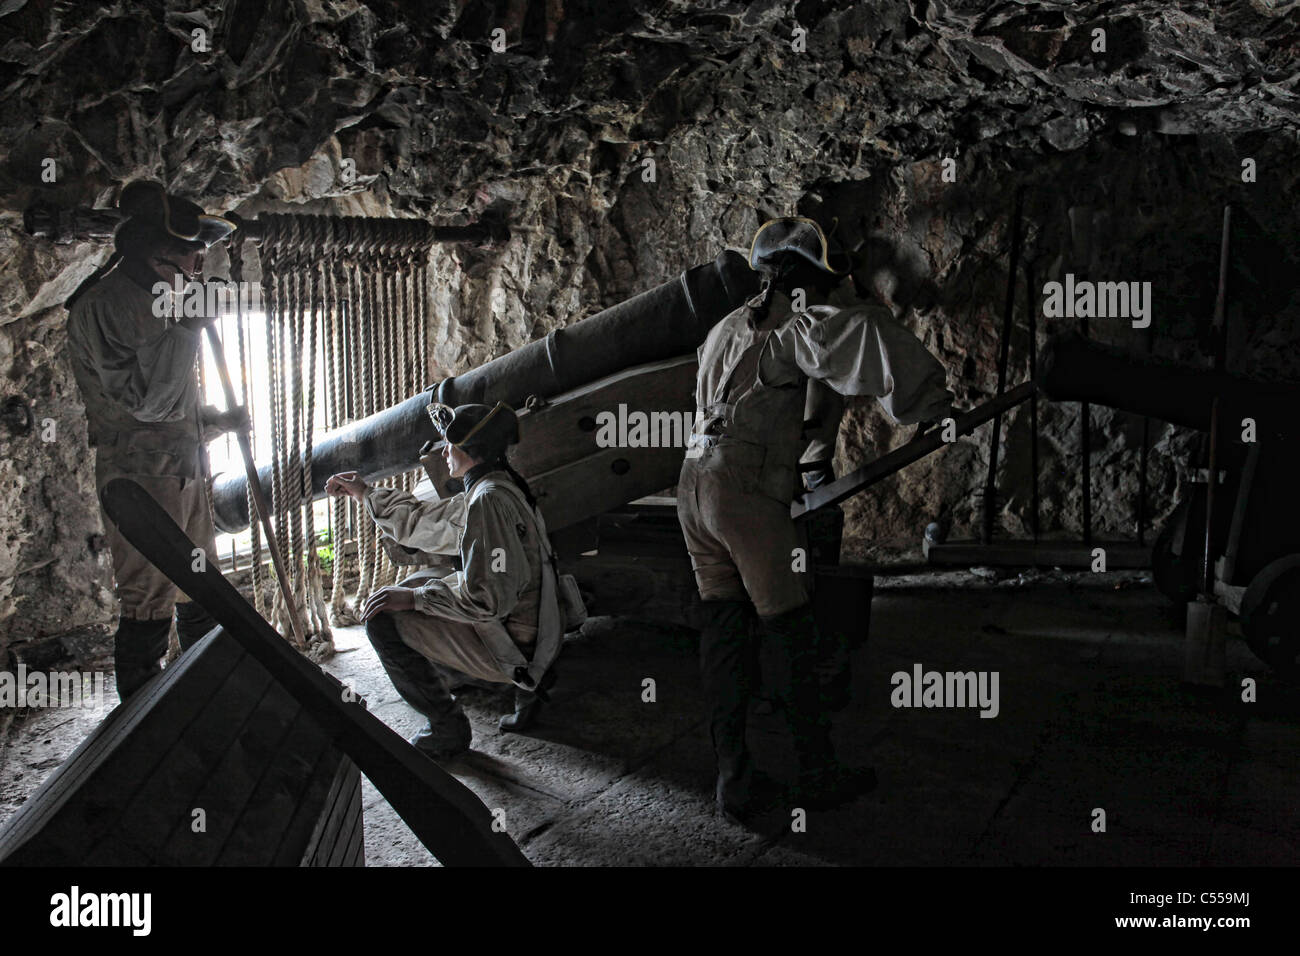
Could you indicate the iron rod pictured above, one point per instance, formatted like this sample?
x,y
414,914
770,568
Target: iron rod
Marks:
x,y
1004,355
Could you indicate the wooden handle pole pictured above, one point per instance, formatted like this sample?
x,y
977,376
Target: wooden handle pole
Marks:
x,y
255,487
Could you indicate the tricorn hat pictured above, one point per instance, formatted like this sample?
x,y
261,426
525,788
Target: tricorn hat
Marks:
x,y
146,201
484,431
800,236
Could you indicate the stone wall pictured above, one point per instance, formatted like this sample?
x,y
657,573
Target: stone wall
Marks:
x,y
404,108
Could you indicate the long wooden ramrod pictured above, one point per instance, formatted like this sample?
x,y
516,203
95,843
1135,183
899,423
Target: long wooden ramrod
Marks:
x,y
255,487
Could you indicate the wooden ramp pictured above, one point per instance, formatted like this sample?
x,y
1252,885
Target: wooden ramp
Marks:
x,y
213,763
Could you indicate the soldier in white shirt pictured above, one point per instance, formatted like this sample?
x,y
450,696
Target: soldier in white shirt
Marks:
x,y
740,476
496,620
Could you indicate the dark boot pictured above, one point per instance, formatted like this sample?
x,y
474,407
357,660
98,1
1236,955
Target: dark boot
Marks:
x,y
448,732
193,623
528,704
834,672
138,648
823,783
728,666
444,738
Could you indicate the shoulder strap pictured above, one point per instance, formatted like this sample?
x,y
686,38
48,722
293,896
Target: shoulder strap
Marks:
x,y
550,625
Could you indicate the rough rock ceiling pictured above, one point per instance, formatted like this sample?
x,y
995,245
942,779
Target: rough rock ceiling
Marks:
x,y
416,95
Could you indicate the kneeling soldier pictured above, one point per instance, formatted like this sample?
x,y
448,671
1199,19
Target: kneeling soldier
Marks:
x,y
497,620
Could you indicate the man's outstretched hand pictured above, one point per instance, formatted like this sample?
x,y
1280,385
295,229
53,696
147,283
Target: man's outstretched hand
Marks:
x,y
216,423
347,484
388,599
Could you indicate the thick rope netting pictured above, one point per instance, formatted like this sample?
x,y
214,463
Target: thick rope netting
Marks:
x,y
345,312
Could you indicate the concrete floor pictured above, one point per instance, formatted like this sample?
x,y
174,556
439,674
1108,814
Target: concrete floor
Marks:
x,y
1092,715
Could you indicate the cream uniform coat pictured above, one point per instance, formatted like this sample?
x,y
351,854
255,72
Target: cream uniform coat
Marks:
x,y
137,379
483,620
741,467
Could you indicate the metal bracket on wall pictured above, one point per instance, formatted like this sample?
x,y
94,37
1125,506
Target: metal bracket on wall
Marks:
x,y
17,415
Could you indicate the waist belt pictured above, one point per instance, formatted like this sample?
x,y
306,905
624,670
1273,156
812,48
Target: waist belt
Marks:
x,y
147,439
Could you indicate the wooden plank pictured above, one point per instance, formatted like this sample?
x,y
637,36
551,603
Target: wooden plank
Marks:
x,y
348,824
302,829
141,823
445,814
70,807
278,795
356,855
49,798
553,435
898,459
152,814
333,787
333,819
242,767
598,483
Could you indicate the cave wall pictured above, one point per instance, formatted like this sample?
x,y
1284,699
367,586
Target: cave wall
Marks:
x,y
394,108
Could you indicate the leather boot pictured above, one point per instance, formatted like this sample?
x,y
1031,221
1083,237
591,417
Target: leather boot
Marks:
x,y
445,736
138,648
447,733
193,623
728,666
528,704
823,782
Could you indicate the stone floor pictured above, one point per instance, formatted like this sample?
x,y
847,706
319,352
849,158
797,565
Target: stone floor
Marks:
x,y
1092,715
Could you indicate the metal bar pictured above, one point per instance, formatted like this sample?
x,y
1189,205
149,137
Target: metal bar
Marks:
x,y
1031,307
1144,457
1004,355
1207,563
1220,300
1220,366
48,221
884,466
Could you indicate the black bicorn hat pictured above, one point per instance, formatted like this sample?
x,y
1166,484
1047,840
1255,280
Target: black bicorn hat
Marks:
x,y
484,431
799,236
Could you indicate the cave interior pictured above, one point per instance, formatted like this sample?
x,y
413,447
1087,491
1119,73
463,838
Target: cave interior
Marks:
x,y
556,159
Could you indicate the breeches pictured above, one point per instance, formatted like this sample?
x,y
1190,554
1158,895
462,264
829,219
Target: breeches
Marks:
x,y
453,644
146,593
743,543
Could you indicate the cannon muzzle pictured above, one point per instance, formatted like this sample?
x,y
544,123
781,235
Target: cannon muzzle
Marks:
x,y
1075,369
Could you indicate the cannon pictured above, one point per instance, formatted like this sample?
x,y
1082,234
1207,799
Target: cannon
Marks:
x,y
1072,368
656,331
1256,538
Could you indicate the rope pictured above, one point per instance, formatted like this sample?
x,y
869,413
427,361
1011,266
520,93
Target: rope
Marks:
x,y
365,540
315,598
236,253
350,294
339,611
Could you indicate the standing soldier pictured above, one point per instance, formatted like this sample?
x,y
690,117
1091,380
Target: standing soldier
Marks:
x,y
739,478
136,372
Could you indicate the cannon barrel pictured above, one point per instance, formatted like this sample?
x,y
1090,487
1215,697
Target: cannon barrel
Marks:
x,y
665,321
1075,369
